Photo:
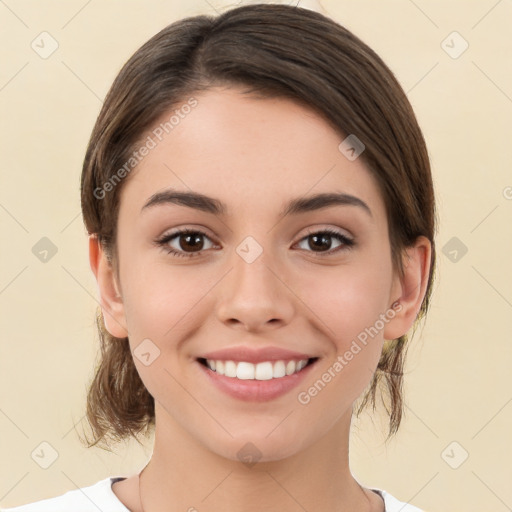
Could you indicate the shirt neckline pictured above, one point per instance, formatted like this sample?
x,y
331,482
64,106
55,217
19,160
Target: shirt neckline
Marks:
x,y
112,480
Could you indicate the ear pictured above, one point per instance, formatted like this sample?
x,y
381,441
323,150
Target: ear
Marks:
x,y
409,290
111,301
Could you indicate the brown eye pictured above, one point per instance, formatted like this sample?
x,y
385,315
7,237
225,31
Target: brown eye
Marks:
x,y
321,241
186,243
192,242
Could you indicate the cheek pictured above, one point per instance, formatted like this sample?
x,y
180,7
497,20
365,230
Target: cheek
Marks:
x,y
165,303
348,300
350,304
154,306
348,369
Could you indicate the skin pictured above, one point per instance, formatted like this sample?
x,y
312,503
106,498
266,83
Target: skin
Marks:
x,y
253,154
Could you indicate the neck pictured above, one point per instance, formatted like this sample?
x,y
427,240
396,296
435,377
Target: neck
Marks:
x,y
184,475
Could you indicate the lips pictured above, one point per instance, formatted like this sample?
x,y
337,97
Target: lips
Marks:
x,y
247,387
256,374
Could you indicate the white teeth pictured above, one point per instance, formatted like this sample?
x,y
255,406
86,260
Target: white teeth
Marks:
x,y
279,369
244,371
301,365
261,371
290,367
230,369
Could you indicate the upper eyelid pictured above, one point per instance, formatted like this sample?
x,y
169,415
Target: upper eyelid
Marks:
x,y
310,231
338,230
180,231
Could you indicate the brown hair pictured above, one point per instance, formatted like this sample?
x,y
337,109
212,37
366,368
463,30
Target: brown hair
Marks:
x,y
275,50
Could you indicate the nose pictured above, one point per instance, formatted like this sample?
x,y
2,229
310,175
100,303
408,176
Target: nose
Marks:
x,y
254,297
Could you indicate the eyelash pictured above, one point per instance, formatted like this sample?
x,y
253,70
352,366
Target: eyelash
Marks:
x,y
347,243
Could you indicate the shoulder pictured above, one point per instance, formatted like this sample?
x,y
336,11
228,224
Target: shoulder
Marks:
x,y
393,504
98,496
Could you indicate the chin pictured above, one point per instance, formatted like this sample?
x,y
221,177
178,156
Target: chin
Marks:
x,y
258,448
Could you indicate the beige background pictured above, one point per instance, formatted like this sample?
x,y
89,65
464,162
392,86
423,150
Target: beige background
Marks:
x,y
459,386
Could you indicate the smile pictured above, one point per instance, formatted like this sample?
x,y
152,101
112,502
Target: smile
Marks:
x,y
264,370
255,382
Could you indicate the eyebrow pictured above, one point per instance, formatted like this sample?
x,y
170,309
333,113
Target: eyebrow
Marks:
x,y
208,204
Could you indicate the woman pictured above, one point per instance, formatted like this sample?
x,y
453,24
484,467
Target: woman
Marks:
x,y
261,215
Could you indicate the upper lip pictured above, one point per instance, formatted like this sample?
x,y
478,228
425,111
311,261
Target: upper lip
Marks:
x,y
255,355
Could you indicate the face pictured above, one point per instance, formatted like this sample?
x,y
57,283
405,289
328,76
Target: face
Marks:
x,y
249,282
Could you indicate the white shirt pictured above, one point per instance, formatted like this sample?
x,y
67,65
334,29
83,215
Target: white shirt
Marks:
x,y
100,496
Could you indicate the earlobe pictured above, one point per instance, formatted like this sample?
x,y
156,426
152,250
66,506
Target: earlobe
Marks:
x,y
410,288
111,300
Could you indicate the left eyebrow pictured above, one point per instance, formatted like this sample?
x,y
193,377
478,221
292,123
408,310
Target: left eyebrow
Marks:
x,y
216,207
323,200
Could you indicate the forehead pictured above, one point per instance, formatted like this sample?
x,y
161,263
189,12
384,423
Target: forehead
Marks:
x,y
250,152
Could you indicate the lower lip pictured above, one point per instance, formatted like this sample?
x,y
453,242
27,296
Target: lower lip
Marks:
x,y
256,390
